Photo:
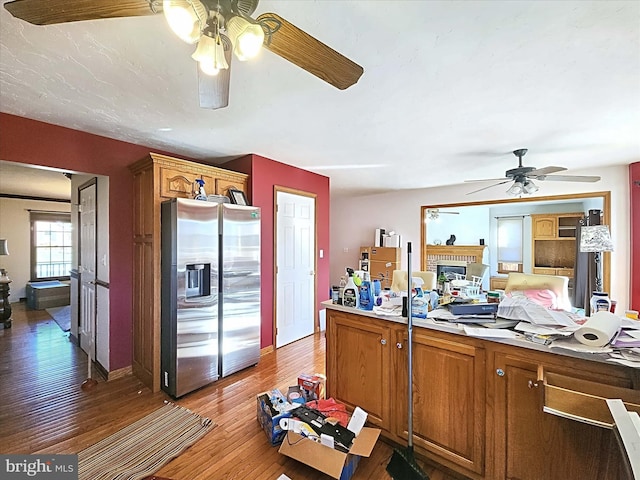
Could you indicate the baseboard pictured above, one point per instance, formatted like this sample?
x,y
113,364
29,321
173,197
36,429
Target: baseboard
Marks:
x,y
265,350
121,372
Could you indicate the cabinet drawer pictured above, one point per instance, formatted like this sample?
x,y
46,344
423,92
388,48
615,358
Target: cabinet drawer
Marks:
x,y
544,271
585,401
565,272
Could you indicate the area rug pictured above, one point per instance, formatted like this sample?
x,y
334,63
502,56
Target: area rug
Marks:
x,y
62,316
139,450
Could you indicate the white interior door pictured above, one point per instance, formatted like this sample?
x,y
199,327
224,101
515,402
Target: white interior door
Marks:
x,y
87,268
295,266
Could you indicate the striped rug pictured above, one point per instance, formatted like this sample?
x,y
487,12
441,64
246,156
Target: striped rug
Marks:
x,y
139,450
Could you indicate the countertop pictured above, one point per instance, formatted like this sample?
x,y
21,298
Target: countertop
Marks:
x,y
457,329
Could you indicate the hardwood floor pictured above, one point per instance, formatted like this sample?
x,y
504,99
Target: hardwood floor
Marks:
x,y
43,409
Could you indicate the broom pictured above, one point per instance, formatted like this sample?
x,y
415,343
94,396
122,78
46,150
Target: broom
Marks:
x,y
403,465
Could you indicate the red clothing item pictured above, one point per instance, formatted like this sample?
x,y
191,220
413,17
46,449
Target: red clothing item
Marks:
x,y
331,409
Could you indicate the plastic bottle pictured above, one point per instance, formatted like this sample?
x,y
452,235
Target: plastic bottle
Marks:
x,y
343,283
600,302
419,304
201,195
367,299
350,295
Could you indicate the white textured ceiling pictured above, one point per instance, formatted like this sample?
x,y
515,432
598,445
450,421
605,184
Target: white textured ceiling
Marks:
x,y
449,89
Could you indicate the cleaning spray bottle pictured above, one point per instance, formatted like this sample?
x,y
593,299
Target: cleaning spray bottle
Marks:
x,y
419,303
350,294
201,195
367,299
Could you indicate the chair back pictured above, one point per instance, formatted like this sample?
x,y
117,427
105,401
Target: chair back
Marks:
x,y
530,281
399,282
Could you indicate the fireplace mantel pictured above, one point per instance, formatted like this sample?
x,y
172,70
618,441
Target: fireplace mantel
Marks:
x,y
456,250
435,254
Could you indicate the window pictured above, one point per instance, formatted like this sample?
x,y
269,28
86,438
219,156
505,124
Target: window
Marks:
x,y
510,244
50,245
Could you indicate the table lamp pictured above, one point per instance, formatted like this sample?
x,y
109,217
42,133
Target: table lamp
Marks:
x,y
596,239
5,306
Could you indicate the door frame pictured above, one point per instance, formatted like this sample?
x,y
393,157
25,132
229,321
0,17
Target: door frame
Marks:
x,y
302,193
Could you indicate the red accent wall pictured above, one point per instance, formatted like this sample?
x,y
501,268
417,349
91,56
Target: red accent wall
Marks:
x,y
634,193
37,143
265,175
32,142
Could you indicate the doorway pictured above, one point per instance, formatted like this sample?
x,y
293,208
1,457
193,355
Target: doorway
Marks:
x,y
295,265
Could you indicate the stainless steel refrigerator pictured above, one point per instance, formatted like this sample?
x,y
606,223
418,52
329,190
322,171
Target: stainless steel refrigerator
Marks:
x,y
210,292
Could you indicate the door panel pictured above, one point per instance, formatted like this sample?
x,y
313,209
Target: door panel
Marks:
x,y
87,269
295,267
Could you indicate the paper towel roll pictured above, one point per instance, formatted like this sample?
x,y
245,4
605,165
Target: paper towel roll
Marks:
x,y
599,329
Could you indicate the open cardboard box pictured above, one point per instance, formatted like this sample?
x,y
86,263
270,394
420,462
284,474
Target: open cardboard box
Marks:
x,y
326,459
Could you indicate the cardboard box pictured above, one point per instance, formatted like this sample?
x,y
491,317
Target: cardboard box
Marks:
x,y
270,423
333,462
312,386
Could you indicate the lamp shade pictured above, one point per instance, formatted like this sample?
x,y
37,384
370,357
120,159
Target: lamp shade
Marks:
x,y
247,37
4,249
186,18
595,238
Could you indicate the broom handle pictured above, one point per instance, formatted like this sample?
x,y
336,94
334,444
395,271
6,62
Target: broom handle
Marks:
x,y
410,348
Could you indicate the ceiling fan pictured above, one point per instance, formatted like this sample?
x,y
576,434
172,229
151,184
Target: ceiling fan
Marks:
x,y
523,177
218,27
434,213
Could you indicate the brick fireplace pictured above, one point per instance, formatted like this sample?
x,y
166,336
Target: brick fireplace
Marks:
x,y
437,254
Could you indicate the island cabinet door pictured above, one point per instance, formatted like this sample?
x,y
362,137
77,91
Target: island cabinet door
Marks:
x,y
531,444
358,364
449,381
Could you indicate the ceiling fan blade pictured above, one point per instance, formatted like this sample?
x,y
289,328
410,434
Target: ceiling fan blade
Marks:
x,y
545,171
489,186
487,180
570,178
300,48
48,12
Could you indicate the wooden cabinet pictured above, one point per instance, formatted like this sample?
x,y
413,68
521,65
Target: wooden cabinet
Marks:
x,y
498,283
380,262
544,226
158,178
359,362
448,395
481,408
532,444
554,243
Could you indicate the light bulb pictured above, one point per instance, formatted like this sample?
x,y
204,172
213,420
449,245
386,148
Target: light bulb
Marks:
x,y
210,55
247,37
515,189
185,17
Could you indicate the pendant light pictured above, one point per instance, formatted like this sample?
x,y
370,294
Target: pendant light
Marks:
x,y
187,18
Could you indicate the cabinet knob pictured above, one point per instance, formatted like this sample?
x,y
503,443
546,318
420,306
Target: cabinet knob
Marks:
x,y
383,341
500,372
398,345
533,384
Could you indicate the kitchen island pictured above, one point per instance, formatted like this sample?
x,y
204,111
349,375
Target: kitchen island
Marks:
x,y
487,409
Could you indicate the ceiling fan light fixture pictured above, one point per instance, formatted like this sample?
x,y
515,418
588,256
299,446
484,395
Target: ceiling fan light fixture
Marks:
x,y
247,37
187,18
516,189
530,187
210,55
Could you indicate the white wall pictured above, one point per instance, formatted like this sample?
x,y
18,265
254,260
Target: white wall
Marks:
x,y
354,220
16,228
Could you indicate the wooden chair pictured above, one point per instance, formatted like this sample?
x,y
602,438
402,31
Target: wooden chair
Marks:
x,y
399,283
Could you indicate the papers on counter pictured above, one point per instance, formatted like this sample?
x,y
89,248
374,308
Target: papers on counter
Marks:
x,y
489,332
523,309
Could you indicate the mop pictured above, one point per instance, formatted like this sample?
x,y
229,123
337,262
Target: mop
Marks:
x,y
403,465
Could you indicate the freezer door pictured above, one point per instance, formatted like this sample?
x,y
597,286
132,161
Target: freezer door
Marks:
x,y
240,287
190,342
